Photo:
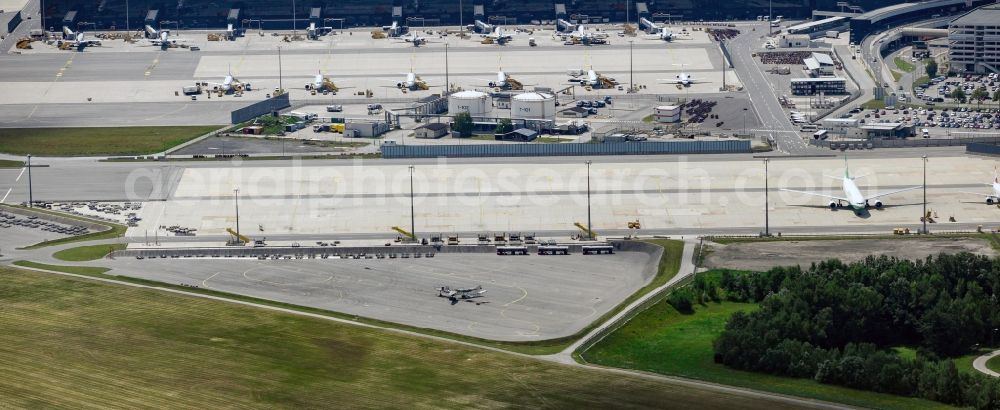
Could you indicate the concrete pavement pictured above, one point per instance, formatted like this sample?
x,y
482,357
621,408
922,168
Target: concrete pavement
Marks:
x,y
980,363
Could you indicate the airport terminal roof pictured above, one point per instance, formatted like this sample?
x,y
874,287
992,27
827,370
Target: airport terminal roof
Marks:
x,y
983,16
897,9
811,25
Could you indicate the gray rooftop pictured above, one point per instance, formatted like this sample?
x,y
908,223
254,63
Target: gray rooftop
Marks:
x,y
897,9
983,16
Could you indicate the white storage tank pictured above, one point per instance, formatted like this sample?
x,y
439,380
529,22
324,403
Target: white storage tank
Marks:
x,y
473,102
667,113
533,106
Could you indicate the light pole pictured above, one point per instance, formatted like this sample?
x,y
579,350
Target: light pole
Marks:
x,y
31,198
126,16
236,198
745,126
294,21
413,225
590,229
924,216
631,82
447,84
767,202
280,87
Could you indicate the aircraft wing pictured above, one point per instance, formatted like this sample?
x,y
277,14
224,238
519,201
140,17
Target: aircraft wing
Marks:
x,y
881,194
840,198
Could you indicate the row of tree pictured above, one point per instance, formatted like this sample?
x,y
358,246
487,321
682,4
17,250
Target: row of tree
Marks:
x,y
838,324
464,125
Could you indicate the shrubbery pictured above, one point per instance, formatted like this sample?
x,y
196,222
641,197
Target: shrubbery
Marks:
x,y
836,323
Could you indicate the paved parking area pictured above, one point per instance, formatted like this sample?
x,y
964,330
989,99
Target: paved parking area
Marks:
x,y
529,297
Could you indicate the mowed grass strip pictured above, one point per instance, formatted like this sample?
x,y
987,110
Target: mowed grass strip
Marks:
x,y
77,270
87,253
662,340
6,163
904,65
97,141
78,343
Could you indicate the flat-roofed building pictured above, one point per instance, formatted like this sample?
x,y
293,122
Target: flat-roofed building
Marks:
x,y
974,41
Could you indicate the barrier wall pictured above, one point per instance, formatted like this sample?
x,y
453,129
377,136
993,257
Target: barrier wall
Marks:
x,y
981,148
567,149
257,109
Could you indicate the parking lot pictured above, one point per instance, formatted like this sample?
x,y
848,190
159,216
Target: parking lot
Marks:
x,y
946,89
528,297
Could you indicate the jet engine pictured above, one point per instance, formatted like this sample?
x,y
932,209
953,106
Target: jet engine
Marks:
x,y
989,200
834,204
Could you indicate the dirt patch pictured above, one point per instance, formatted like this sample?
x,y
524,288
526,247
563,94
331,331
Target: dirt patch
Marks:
x,y
760,256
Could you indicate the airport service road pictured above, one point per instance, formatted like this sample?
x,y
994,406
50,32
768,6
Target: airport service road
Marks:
x,y
765,102
529,297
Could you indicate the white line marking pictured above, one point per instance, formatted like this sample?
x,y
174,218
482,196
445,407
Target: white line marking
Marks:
x,y
19,175
5,195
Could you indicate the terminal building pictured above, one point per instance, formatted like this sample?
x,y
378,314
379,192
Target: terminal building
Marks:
x,y
974,41
868,23
819,28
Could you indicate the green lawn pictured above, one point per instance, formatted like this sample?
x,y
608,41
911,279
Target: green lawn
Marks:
x,y
87,253
896,75
668,268
6,163
98,141
924,80
873,104
77,343
994,364
662,340
79,270
904,65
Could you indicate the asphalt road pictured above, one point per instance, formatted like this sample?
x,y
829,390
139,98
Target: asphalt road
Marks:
x,y
762,96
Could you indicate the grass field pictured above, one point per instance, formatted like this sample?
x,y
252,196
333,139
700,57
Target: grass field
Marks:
x,y
662,340
78,270
994,364
87,141
6,163
87,253
668,268
76,343
904,65
873,104
924,80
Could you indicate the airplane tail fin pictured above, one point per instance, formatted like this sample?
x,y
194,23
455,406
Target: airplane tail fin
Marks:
x,y
847,170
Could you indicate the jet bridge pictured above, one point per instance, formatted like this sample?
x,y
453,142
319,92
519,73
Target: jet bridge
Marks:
x,y
483,27
648,25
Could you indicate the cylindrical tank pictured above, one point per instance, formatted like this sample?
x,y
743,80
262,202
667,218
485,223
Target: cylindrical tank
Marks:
x,y
533,106
473,102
